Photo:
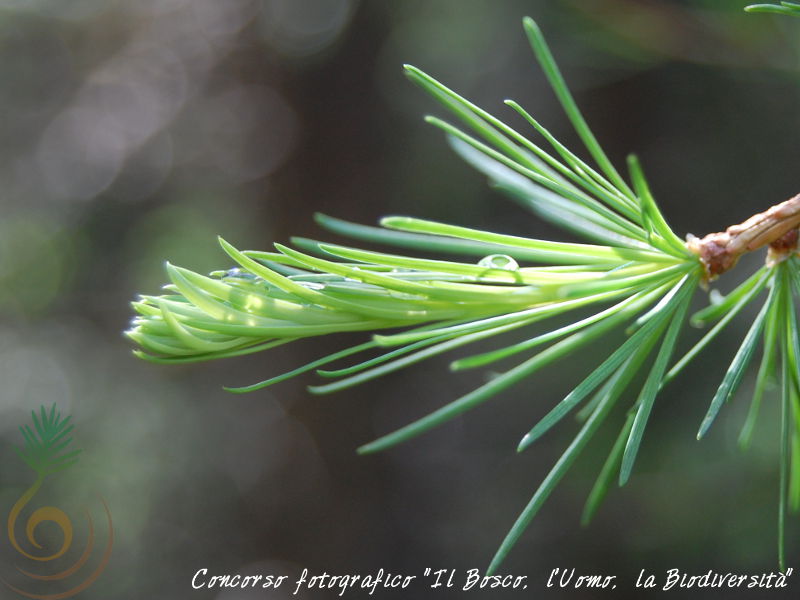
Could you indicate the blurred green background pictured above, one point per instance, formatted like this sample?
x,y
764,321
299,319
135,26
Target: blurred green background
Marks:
x,y
135,132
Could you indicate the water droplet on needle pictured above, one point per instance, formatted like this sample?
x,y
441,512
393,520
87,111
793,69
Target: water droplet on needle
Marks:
x,y
499,261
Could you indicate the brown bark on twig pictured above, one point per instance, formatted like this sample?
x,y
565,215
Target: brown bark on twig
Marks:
x,y
776,227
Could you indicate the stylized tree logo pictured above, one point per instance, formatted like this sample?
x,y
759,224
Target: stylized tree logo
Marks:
x,y
47,451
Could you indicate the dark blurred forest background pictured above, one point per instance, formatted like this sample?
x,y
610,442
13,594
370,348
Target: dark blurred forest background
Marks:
x,y
135,132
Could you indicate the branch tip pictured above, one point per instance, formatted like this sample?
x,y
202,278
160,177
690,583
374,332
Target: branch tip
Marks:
x,y
776,227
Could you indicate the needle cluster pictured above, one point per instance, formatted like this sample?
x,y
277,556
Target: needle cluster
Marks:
x,y
634,272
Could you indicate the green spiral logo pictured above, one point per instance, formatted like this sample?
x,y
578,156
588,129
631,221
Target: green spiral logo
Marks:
x,y
47,450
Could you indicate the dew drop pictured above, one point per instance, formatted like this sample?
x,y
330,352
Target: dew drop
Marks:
x,y
499,261
238,273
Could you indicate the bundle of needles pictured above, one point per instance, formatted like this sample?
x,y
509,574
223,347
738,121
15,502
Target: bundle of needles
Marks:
x,y
635,271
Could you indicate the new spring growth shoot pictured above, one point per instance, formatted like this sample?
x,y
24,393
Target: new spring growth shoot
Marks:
x,y
634,272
